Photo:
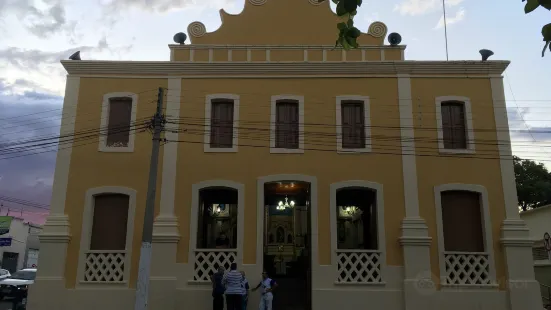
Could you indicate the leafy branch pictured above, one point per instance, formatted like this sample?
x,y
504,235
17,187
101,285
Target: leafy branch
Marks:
x,y
348,34
530,6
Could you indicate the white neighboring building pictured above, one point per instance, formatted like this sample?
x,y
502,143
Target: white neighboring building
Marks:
x,y
24,249
539,222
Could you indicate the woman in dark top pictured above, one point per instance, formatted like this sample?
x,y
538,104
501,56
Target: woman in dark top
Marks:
x,y
218,289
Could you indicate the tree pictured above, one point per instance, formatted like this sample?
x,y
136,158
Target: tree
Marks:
x,y
348,34
530,6
533,183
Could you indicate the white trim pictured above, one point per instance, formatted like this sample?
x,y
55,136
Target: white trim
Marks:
x,y
86,234
279,77
468,123
380,207
276,47
208,114
176,68
196,188
273,118
313,215
486,224
504,147
105,121
367,124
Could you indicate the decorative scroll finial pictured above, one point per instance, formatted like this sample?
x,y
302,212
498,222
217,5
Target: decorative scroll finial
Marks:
x,y
196,29
377,29
258,2
314,2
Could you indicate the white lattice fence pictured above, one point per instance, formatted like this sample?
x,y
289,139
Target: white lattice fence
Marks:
x,y
208,261
358,266
104,266
467,268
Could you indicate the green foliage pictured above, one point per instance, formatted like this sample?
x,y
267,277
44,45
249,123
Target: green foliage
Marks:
x,y
348,34
530,6
533,184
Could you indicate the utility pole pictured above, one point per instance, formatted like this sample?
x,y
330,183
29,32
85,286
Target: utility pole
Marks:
x,y
142,288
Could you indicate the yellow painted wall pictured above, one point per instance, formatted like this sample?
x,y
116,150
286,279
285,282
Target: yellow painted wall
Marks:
x,y
434,170
91,168
320,158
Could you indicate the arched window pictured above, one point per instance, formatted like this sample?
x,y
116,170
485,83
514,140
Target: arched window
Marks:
x,y
106,242
464,235
357,229
216,227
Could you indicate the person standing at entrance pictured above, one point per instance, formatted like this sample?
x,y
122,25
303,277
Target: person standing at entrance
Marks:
x,y
218,289
268,285
233,281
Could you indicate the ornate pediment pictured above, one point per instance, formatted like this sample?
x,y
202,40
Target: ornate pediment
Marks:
x,y
281,22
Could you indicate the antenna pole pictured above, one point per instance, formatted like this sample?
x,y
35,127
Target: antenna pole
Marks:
x,y
445,28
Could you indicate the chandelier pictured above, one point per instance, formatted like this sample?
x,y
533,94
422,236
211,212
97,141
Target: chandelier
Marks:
x,y
285,205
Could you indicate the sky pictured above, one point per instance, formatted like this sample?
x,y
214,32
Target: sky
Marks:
x,y
36,34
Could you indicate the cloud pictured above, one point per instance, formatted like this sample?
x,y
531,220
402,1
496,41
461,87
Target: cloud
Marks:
x,y
42,18
27,172
162,6
459,16
419,7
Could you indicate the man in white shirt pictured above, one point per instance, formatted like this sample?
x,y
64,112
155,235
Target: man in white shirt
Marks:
x,y
268,285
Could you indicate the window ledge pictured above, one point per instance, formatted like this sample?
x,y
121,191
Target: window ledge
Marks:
x,y
542,263
209,149
84,285
361,283
116,149
457,151
195,282
354,151
451,287
275,150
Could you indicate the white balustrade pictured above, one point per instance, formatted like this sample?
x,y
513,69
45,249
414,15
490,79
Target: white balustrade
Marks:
x,y
104,266
467,268
207,262
359,266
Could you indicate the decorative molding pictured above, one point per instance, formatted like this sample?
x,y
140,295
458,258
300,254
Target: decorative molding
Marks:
x,y
258,2
278,47
196,29
273,118
377,29
235,131
486,223
86,233
367,123
240,188
468,123
299,68
315,2
380,208
104,121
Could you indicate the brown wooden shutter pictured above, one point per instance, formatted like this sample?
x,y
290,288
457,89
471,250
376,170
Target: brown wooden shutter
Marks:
x,y
453,125
353,125
221,132
120,116
287,125
110,222
462,221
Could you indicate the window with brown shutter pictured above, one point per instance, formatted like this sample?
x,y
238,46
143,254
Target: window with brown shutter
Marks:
x,y
221,130
287,124
120,116
109,222
353,125
462,221
453,125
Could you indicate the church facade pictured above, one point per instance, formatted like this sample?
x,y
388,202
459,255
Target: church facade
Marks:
x,y
355,178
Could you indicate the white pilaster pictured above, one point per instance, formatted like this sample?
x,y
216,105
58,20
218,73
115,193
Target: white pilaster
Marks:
x,y
524,291
415,241
165,228
55,236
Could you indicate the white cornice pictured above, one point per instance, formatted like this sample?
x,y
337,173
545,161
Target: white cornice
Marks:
x,y
277,47
351,69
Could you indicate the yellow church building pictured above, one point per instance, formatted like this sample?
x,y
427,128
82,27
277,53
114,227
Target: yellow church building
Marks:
x,y
357,179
